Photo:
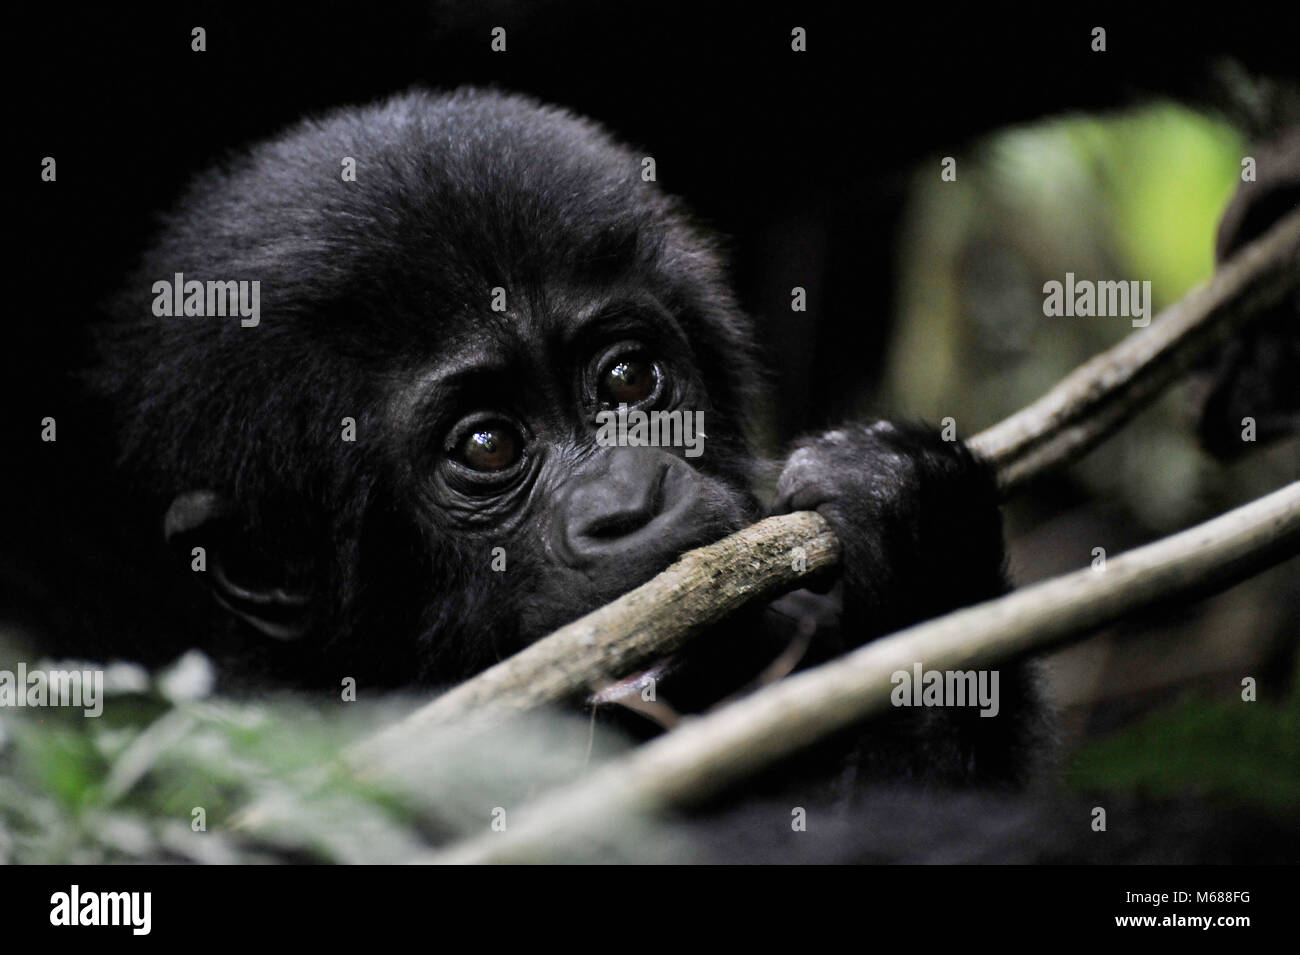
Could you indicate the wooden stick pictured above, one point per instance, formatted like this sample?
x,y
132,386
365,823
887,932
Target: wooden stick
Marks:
x,y
706,754
658,617
707,584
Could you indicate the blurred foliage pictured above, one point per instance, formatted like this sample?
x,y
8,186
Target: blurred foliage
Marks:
x,y
1233,751
1154,184
1133,196
268,775
123,786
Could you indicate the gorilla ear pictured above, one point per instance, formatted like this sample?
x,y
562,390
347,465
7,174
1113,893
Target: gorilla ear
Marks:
x,y
253,586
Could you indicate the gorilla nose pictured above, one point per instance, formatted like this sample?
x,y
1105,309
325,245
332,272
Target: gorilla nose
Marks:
x,y
609,516
610,507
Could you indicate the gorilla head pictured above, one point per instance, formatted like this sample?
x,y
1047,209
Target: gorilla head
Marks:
x,y
398,464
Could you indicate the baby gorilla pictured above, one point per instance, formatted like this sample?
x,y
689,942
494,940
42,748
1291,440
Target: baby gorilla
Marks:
x,y
397,472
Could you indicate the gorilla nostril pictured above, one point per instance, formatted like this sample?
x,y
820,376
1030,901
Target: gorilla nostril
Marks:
x,y
620,524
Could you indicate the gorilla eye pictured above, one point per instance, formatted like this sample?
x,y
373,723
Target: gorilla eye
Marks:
x,y
628,379
491,447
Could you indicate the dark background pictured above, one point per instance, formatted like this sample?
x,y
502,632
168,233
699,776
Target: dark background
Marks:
x,y
798,160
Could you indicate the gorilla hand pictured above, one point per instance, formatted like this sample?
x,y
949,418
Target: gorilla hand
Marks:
x,y
916,516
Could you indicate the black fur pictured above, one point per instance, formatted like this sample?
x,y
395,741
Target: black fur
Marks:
x,y
369,287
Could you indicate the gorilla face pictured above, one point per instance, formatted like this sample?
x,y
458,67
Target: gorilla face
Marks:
x,y
400,465
503,460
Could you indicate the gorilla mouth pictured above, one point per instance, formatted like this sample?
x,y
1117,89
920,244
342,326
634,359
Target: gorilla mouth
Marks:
x,y
620,691
719,666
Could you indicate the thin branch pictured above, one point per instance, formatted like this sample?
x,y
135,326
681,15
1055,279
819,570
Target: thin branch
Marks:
x,y
706,754
707,584
1100,395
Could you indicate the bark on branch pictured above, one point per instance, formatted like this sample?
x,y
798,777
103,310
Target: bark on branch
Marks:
x,y
707,584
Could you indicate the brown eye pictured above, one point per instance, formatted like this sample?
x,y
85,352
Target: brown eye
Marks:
x,y
629,380
490,448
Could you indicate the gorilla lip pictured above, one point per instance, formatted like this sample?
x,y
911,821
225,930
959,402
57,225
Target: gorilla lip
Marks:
x,y
632,685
